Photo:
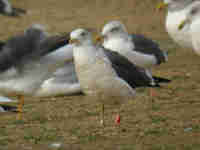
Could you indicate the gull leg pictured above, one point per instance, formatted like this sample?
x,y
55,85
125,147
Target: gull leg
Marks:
x,y
20,107
117,121
152,94
102,115
118,118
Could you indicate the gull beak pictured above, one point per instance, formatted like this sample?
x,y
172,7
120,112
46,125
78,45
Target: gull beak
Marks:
x,y
99,39
162,5
182,24
72,41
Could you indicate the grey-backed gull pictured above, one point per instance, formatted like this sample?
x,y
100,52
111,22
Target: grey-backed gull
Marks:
x,y
27,60
138,49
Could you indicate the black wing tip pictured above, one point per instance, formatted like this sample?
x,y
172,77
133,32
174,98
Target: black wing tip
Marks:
x,y
8,108
161,80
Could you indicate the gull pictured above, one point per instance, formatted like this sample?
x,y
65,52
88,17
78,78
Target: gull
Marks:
x,y
138,49
193,21
177,10
27,60
7,9
103,73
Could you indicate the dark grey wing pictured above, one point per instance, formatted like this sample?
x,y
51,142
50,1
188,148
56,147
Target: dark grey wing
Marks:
x,y
15,51
52,43
2,45
128,71
2,6
149,47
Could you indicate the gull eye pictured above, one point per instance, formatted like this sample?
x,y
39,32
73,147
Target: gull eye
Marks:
x,y
114,29
83,34
194,11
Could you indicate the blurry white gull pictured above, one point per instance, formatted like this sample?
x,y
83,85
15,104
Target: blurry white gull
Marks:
x,y
177,10
193,21
109,76
27,60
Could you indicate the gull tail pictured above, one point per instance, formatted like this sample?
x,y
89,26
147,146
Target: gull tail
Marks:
x,y
7,108
161,80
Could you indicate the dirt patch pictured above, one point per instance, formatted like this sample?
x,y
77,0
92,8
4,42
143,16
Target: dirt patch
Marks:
x,y
171,122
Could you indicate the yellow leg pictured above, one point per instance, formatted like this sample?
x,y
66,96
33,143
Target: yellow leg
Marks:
x,y
102,115
20,107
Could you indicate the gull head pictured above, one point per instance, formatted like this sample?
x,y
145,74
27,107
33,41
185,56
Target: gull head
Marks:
x,y
174,4
80,36
114,29
36,30
192,15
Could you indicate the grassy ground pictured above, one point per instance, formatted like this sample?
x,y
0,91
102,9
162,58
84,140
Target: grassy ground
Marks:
x,y
171,122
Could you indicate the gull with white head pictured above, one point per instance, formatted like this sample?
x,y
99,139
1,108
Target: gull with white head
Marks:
x,y
139,50
177,10
105,73
193,20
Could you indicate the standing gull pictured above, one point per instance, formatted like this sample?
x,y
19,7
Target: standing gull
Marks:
x,y
177,10
26,61
104,73
193,21
137,49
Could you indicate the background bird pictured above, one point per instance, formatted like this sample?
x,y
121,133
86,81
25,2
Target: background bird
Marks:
x,y
176,12
192,20
7,9
27,60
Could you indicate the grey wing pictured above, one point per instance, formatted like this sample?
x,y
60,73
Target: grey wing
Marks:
x,y
128,71
52,43
15,51
31,45
149,47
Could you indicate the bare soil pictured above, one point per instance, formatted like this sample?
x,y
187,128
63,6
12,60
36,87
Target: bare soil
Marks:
x,y
169,121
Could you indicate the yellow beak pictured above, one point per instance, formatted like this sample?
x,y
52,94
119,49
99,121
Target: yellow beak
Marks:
x,y
99,39
162,5
182,24
72,41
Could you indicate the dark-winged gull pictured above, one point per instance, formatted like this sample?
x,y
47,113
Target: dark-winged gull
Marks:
x,y
138,49
27,60
177,10
7,9
193,21
104,73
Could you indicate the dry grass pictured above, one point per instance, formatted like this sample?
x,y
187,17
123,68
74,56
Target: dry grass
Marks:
x,y
170,123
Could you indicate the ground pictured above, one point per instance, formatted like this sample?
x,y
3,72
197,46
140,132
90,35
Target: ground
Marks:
x,y
169,121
